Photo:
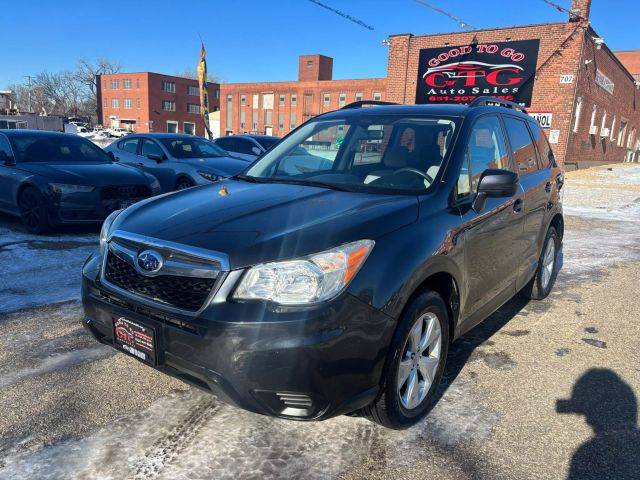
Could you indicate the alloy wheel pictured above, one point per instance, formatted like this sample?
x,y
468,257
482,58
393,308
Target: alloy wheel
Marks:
x,y
548,262
30,209
419,361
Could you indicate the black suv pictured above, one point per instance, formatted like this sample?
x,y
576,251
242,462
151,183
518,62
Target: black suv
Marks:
x,y
332,275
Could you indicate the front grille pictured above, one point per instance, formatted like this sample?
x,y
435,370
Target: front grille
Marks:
x,y
125,192
187,293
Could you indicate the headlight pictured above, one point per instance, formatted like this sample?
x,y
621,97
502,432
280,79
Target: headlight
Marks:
x,y
306,280
212,177
66,189
106,229
154,184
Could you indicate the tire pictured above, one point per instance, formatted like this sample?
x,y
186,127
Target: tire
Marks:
x,y
33,211
184,183
393,408
545,277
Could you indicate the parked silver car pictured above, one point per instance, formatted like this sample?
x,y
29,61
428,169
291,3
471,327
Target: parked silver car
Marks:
x,y
177,161
247,147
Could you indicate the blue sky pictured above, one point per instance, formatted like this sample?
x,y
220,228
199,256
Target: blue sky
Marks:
x,y
255,40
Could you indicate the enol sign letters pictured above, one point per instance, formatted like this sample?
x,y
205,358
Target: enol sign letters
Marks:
x,y
460,74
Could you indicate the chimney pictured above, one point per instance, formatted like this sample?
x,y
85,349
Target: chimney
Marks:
x,y
312,68
580,10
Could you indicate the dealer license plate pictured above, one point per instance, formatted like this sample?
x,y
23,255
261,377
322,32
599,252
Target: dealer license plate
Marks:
x,y
135,339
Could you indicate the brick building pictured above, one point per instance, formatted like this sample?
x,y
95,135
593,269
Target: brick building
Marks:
x,y
631,60
564,73
275,108
152,102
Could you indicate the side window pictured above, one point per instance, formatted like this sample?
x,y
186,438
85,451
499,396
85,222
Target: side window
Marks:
x,y
524,153
5,149
244,146
149,147
227,143
129,145
486,149
544,149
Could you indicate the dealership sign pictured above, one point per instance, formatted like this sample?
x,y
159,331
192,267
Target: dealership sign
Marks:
x,y
460,74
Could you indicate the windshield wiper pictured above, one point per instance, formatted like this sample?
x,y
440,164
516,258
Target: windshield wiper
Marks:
x,y
248,178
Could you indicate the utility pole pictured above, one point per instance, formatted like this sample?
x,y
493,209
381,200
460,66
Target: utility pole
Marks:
x,y
29,77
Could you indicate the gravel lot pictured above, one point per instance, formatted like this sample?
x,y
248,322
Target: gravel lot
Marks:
x,y
74,409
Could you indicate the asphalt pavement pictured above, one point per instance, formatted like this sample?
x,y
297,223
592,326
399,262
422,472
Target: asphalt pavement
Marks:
x,y
544,390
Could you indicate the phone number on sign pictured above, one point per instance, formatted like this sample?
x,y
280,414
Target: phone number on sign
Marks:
x,y
462,98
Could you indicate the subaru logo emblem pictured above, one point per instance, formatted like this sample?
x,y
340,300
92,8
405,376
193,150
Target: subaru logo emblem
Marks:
x,y
149,261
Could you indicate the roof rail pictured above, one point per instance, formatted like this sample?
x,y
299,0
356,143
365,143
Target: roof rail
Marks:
x,y
362,103
498,102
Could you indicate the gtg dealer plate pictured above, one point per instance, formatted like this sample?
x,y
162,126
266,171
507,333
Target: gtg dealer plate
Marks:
x,y
135,339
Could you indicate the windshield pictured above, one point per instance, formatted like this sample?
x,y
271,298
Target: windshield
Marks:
x,y
56,149
366,153
195,147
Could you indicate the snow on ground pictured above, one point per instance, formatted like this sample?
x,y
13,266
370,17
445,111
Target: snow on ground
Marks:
x,y
26,259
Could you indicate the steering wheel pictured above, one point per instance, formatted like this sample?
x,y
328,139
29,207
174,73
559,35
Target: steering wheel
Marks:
x,y
415,171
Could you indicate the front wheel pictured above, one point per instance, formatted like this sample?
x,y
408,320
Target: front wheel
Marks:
x,y
415,364
33,211
184,183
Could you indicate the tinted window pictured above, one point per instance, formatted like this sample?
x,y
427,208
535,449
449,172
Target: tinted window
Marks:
x,y
227,143
129,145
544,149
192,148
524,153
5,149
56,149
486,149
244,146
267,143
150,147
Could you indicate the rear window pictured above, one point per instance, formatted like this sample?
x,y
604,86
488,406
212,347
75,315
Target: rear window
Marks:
x,y
524,153
56,149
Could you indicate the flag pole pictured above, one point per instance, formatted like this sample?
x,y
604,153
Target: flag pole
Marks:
x,y
204,94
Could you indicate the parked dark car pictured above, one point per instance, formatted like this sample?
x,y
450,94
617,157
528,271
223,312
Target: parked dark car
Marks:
x,y
178,161
50,178
309,295
245,146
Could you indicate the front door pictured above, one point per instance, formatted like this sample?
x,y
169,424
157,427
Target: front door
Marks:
x,y
158,168
492,235
8,175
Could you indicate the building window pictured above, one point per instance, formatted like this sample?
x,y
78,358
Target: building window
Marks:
x,y
126,84
216,93
115,84
602,124
243,100
292,125
622,132
576,121
359,97
172,127
254,120
612,133
168,86
189,128
255,103
377,96
281,99
268,117
294,100
115,103
138,103
243,119
137,83
593,118
326,99
229,119
168,105
193,108
193,90
127,103
281,121
342,99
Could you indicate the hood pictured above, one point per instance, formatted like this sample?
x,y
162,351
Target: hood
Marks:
x,y
86,173
224,166
260,222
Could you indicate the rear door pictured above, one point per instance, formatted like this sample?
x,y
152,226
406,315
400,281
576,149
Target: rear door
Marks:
x,y
492,235
8,176
535,180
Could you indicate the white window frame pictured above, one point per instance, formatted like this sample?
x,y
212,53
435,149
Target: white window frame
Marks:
x,y
115,84
378,95
576,121
189,90
294,100
326,99
612,133
184,129
171,86
126,84
358,96
173,122
342,99
171,103
127,103
115,103
189,110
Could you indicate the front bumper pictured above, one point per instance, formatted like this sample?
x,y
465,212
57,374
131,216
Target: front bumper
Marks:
x,y
303,363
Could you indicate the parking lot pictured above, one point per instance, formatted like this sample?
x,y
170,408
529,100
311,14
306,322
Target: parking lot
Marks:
x,y
74,409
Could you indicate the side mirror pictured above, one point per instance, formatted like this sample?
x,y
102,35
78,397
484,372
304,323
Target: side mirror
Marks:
x,y
7,159
256,151
155,156
495,183
112,156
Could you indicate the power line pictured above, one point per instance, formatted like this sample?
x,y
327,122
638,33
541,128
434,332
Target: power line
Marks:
x,y
343,15
461,23
562,9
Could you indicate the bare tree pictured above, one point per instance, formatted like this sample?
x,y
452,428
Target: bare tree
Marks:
x,y
86,74
191,73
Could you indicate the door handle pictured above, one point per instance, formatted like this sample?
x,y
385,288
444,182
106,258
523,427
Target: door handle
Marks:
x,y
547,187
517,205
140,164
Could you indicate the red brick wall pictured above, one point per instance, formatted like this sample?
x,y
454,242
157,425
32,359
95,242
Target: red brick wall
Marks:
x,y
146,87
560,53
314,67
315,91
